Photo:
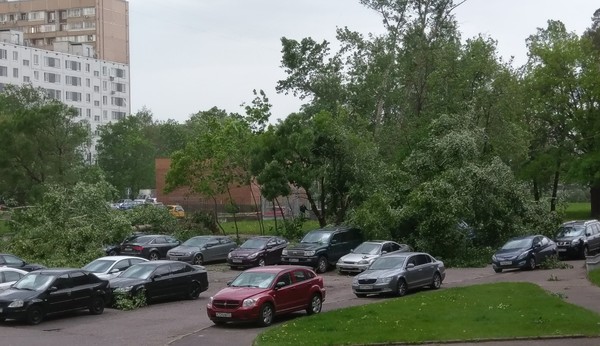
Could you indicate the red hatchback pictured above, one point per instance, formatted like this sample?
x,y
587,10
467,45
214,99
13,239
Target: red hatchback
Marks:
x,y
259,294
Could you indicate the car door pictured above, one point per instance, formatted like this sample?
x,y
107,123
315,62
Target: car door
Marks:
x,y
211,250
300,280
337,246
161,282
425,269
81,290
284,296
411,274
59,295
225,245
595,230
273,252
180,276
538,249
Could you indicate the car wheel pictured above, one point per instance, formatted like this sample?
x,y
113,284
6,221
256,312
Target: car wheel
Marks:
x,y
261,262
401,288
198,260
195,290
97,306
531,263
35,315
265,317
498,270
112,253
154,256
437,281
322,265
315,304
360,295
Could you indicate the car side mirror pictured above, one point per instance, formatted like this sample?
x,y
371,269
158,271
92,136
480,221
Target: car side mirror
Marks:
x,y
588,234
229,283
279,285
537,245
351,250
410,265
157,276
114,270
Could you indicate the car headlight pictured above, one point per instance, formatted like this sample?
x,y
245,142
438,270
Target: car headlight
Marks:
x,y
523,255
253,255
16,304
355,281
123,289
576,242
210,300
494,258
309,253
385,280
363,261
229,255
284,252
249,302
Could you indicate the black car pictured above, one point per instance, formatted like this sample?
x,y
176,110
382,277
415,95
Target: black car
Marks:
x,y
204,248
578,238
161,279
322,248
115,249
7,260
48,291
257,252
523,252
152,247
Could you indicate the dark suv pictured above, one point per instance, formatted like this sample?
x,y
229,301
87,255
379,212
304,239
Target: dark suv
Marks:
x,y
321,248
578,238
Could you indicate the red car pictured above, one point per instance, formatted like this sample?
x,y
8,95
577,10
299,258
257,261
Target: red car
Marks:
x,y
259,294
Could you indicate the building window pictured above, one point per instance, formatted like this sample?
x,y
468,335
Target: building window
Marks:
x,y
15,73
103,70
53,94
88,82
118,101
25,62
96,118
120,87
96,73
3,54
72,65
88,112
74,12
36,75
96,103
15,55
26,79
87,67
105,114
118,115
88,98
104,100
73,96
3,71
74,81
36,59
96,89
104,85
51,77
52,62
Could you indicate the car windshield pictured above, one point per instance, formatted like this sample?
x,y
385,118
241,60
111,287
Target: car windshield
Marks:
x,y
138,272
575,231
368,249
383,263
517,244
198,242
254,243
99,266
34,282
141,239
253,279
317,237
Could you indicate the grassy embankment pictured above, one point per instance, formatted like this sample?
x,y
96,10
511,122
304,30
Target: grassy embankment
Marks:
x,y
490,311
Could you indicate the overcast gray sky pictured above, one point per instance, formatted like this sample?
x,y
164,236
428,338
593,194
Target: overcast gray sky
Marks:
x,y
190,55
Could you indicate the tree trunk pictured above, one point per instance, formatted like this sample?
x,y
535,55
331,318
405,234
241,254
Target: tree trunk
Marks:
x,y
536,191
595,200
553,200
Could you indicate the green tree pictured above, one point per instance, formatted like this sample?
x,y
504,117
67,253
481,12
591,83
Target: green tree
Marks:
x,y
126,153
41,142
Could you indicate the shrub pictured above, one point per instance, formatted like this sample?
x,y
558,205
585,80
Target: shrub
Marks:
x,y
552,262
127,302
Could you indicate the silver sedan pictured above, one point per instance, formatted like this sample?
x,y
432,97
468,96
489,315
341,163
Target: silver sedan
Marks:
x,y
396,273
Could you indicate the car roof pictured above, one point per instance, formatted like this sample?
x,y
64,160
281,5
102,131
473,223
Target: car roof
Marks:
x,y
8,254
526,237
157,263
404,254
10,269
332,229
118,258
578,222
58,271
276,268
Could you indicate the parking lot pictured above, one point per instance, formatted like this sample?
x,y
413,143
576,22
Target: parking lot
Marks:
x,y
185,322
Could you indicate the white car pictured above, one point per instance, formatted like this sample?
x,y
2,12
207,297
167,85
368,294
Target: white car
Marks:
x,y
361,258
9,276
110,267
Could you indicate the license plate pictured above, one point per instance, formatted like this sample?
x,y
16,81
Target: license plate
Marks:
x,y
562,250
223,314
236,260
127,248
174,258
505,263
294,260
365,287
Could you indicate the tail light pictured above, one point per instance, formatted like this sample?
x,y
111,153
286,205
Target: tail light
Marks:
x,y
137,248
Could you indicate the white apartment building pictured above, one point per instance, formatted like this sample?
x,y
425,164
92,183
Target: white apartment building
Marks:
x,y
97,89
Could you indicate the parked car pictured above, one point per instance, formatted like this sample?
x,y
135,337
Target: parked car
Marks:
x,y
578,238
161,279
359,259
8,260
109,267
523,252
115,249
257,251
322,248
176,211
398,272
9,276
200,249
259,294
152,247
48,291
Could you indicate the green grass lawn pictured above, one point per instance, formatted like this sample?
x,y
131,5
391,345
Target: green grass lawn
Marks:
x,y
252,227
594,277
578,211
501,310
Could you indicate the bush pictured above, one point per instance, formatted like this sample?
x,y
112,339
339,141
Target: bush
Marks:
x,y
127,302
291,229
553,262
472,257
